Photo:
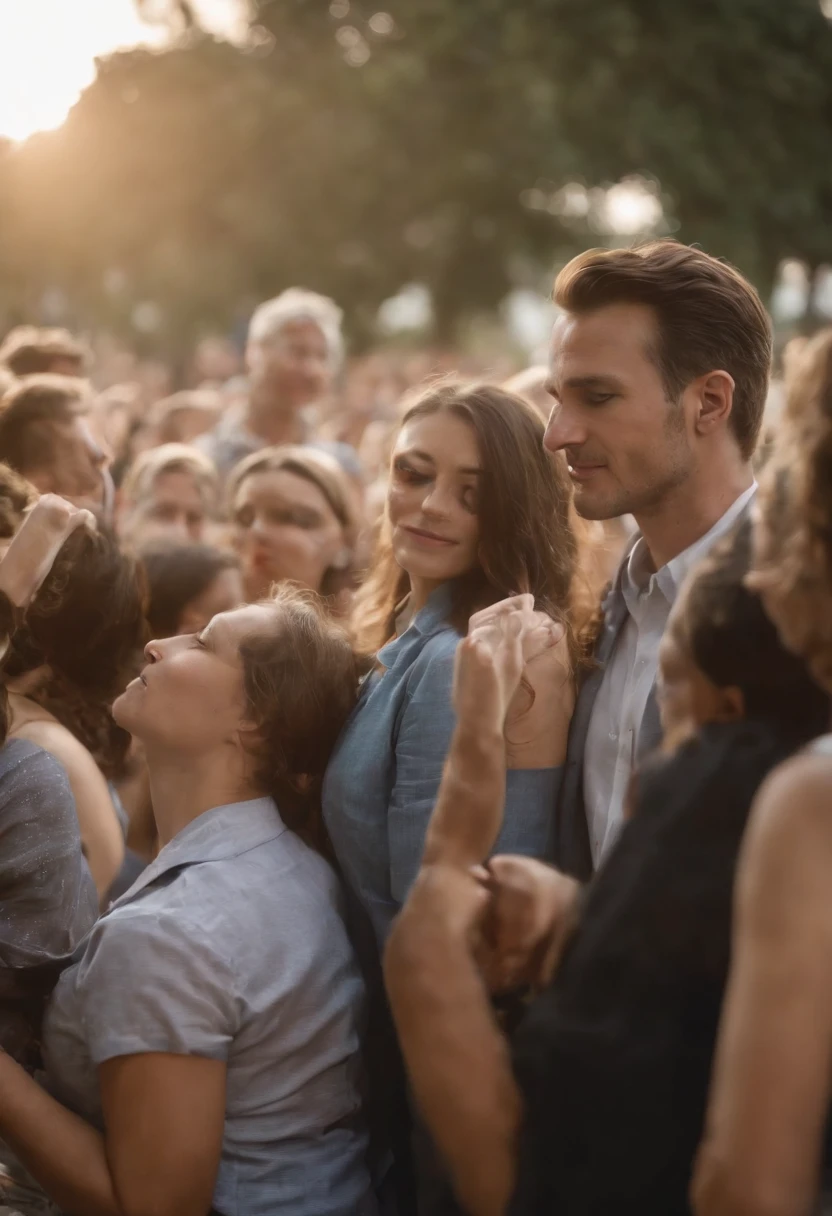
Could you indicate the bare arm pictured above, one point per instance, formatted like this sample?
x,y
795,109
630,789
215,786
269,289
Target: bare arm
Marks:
x,y
457,1059
164,1116
101,833
771,1085
456,1056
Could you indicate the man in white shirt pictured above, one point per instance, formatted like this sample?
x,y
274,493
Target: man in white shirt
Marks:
x,y
659,374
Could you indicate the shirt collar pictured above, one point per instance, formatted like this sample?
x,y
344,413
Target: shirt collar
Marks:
x,y
223,832
638,577
427,621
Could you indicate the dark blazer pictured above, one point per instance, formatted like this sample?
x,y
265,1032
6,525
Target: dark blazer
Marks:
x,y
572,851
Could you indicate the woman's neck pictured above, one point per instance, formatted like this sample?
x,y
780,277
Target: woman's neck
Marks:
x,y
29,682
421,589
182,791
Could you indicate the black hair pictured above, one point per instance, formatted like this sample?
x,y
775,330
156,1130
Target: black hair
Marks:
x,y
176,575
733,642
87,625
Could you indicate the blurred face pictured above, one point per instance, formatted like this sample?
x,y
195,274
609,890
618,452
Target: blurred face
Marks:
x,y
688,699
627,446
433,498
174,509
294,366
284,529
79,470
186,425
190,697
222,595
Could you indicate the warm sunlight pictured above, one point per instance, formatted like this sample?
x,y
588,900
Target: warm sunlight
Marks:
x,y
48,50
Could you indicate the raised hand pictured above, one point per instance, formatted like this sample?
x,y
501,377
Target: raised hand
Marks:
x,y
537,719
502,642
36,544
530,913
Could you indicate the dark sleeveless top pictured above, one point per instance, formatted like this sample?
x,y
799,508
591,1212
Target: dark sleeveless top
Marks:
x,y
614,1059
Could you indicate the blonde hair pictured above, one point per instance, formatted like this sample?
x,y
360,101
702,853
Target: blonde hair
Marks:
x,y
170,458
793,537
323,471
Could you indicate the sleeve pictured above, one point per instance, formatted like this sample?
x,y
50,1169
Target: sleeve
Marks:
x,y
48,901
531,799
424,736
422,744
149,983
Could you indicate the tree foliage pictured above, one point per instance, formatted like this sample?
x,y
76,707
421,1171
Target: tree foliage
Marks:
x,y
355,151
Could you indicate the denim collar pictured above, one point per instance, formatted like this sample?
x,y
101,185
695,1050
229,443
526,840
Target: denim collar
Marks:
x,y
427,621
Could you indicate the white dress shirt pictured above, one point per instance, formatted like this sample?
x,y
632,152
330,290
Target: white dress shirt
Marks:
x,y
612,740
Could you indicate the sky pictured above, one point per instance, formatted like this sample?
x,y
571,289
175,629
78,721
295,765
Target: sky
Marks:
x,y
48,50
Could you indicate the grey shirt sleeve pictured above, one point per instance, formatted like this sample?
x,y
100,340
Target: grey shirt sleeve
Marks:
x,y
48,901
152,982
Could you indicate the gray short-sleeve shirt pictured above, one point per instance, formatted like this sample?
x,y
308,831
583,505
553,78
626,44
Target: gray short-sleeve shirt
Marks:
x,y
231,945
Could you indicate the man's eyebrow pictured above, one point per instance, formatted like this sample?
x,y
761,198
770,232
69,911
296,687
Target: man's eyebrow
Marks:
x,y
593,382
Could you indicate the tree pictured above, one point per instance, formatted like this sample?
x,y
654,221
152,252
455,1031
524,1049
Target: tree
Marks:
x,y
354,150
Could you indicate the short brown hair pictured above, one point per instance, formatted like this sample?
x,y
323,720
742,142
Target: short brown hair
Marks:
x,y
28,351
709,317
301,682
28,414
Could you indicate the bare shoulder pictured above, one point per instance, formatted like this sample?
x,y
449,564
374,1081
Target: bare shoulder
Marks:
x,y
787,850
49,734
795,801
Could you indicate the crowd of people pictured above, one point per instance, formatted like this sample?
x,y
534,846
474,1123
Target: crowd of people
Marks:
x,y
414,787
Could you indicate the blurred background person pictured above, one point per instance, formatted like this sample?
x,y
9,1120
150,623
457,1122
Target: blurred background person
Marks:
x,y
293,517
46,437
28,351
294,350
188,585
170,493
185,416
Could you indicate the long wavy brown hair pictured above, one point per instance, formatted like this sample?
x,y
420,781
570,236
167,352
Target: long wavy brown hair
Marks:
x,y
793,534
528,541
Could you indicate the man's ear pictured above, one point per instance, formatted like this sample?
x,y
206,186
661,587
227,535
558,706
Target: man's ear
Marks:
x,y
715,400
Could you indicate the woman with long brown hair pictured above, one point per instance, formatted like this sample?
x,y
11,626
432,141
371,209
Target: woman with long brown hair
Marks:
x,y
476,512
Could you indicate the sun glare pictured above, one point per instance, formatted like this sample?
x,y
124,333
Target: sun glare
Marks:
x,y
48,50
47,56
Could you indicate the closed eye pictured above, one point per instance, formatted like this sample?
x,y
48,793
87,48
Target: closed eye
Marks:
x,y
599,398
408,474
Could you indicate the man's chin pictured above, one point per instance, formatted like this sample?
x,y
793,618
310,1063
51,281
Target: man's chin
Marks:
x,y
596,507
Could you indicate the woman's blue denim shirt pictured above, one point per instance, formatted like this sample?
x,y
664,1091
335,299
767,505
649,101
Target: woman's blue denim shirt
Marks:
x,y
384,775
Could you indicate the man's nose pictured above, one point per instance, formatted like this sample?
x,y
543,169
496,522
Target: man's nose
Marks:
x,y
563,430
